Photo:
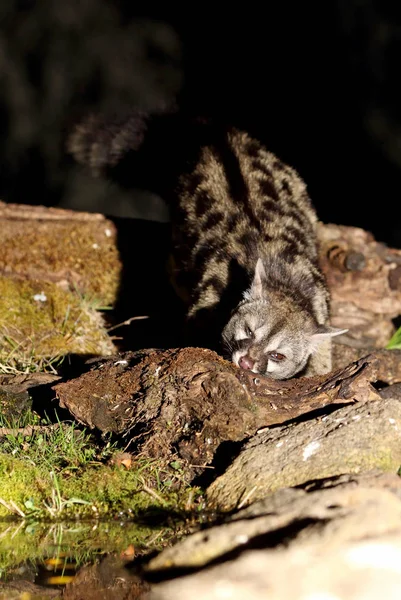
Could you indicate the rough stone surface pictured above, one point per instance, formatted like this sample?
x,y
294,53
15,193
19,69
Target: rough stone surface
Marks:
x,y
56,268
74,250
364,570
353,439
337,539
329,513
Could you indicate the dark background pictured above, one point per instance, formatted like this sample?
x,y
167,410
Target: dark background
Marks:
x,y
317,82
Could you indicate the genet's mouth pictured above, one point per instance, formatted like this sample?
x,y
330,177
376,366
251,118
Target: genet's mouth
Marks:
x,y
241,360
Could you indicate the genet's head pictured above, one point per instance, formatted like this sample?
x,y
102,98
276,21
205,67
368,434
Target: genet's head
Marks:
x,y
268,333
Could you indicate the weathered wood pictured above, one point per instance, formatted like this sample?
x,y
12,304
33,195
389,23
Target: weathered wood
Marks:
x,y
364,278
188,401
24,381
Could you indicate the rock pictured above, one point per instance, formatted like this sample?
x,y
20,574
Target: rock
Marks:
x,y
364,570
41,322
75,250
391,391
56,268
331,512
352,439
336,539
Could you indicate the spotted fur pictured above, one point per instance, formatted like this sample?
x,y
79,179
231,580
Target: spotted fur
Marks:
x,y
244,249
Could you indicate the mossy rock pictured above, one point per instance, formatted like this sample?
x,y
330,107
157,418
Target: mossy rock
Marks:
x,y
77,250
40,322
353,439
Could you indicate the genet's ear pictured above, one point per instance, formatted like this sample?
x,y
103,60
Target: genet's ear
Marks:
x,y
324,332
256,290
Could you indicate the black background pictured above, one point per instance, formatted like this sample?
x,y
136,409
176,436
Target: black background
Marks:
x,y
317,82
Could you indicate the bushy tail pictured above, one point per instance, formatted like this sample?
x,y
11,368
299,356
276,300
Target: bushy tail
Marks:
x,y
138,148
100,143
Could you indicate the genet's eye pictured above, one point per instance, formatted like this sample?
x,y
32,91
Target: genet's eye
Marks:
x,y
276,356
248,331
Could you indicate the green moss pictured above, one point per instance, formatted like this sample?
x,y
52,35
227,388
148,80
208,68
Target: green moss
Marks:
x,y
152,513
40,322
58,471
49,470
20,482
64,250
32,490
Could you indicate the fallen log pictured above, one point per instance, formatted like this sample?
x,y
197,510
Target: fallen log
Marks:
x,y
185,402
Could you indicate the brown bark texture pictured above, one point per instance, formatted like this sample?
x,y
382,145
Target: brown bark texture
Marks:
x,y
186,402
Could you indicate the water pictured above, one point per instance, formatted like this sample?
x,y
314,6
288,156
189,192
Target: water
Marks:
x,y
75,560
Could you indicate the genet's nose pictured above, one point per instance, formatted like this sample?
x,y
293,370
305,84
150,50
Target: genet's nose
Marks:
x,y
245,362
